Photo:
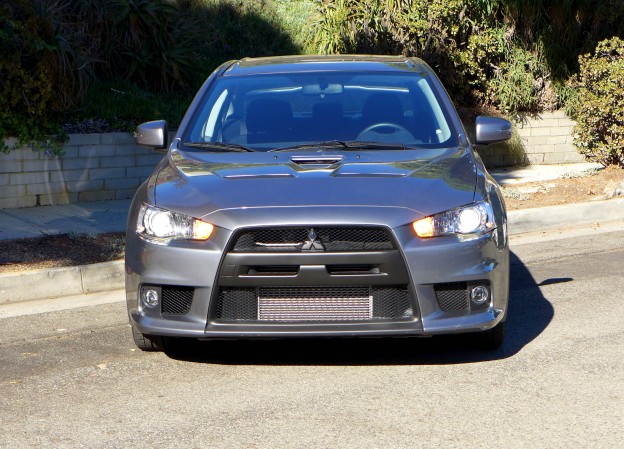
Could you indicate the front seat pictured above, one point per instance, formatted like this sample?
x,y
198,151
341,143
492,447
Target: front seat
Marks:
x,y
383,108
268,120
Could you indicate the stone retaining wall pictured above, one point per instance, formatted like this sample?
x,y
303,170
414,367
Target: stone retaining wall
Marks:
x,y
541,139
547,138
94,167
111,166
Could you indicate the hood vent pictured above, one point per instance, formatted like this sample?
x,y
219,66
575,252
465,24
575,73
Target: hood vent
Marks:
x,y
316,161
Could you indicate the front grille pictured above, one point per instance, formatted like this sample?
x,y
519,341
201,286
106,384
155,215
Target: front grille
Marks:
x,y
292,304
314,304
237,304
324,239
391,302
452,296
176,300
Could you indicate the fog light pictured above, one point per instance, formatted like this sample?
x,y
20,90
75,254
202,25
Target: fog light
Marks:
x,y
150,298
479,295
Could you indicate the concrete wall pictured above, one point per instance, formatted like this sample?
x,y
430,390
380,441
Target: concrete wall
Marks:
x,y
543,139
547,138
94,167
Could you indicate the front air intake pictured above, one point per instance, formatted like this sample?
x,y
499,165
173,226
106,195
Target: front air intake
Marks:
x,y
176,300
328,239
314,304
452,297
329,303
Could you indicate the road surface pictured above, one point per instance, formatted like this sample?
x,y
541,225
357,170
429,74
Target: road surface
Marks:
x,y
73,378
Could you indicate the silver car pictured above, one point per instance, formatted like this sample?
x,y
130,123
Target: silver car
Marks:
x,y
318,197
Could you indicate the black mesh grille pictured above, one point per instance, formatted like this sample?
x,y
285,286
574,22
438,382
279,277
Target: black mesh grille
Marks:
x,y
330,303
452,296
237,304
392,303
298,239
176,300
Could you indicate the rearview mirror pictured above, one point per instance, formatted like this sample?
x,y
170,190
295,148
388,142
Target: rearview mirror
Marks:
x,y
152,134
322,89
492,130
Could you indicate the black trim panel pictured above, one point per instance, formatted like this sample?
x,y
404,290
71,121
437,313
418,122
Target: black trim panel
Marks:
x,y
241,269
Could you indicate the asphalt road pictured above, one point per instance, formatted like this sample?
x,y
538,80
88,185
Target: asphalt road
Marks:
x,y
72,377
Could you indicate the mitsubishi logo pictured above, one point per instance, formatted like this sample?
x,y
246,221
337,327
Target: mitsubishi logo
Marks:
x,y
312,244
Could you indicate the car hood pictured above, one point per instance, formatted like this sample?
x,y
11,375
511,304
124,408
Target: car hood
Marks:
x,y
213,185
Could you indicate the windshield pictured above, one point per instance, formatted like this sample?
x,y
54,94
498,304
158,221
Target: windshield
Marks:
x,y
268,112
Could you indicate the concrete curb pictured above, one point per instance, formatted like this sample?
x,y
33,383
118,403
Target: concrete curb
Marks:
x,y
527,220
107,276
64,281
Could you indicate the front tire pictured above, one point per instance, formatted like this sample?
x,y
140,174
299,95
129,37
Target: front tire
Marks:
x,y
491,338
146,342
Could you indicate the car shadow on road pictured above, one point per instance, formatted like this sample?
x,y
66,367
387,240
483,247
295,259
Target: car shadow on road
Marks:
x,y
528,315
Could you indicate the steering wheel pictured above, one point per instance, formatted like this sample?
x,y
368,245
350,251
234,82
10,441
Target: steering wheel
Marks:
x,y
376,126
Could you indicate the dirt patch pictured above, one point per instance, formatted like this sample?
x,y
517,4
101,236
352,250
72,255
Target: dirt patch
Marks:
x,y
588,186
60,251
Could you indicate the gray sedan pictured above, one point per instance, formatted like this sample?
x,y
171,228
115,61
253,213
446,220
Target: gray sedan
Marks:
x,y
318,197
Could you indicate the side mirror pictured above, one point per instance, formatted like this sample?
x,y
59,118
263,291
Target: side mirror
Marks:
x,y
152,134
492,130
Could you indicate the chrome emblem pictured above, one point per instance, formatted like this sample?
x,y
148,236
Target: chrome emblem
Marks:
x,y
312,244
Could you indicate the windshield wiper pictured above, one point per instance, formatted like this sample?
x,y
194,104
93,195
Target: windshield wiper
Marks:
x,y
219,146
315,145
347,145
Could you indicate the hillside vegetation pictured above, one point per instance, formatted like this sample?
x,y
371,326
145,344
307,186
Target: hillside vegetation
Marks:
x,y
99,65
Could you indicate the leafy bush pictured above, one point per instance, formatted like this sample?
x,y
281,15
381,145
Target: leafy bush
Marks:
x,y
234,29
600,113
52,51
511,54
150,44
28,96
63,60
558,31
477,58
519,81
121,105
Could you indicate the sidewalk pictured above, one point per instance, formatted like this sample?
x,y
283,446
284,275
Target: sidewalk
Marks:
x,y
537,173
111,216
84,218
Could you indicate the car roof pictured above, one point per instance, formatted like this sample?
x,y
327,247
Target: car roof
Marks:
x,y
327,63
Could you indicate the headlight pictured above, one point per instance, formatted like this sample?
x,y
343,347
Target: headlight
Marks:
x,y
474,219
165,225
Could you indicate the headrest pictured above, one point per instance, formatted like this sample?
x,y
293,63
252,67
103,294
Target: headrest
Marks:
x,y
264,115
383,107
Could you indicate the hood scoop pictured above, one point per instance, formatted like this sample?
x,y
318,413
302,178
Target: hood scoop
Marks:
x,y
319,161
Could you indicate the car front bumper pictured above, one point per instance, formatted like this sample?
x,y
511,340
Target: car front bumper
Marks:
x,y
424,265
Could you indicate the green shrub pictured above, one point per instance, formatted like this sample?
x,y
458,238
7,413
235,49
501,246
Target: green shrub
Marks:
x,y
478,59
295,16
234,29
504,53
122,105
123,61
599,134
558,31
153,43
519,81
28,92
567,93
